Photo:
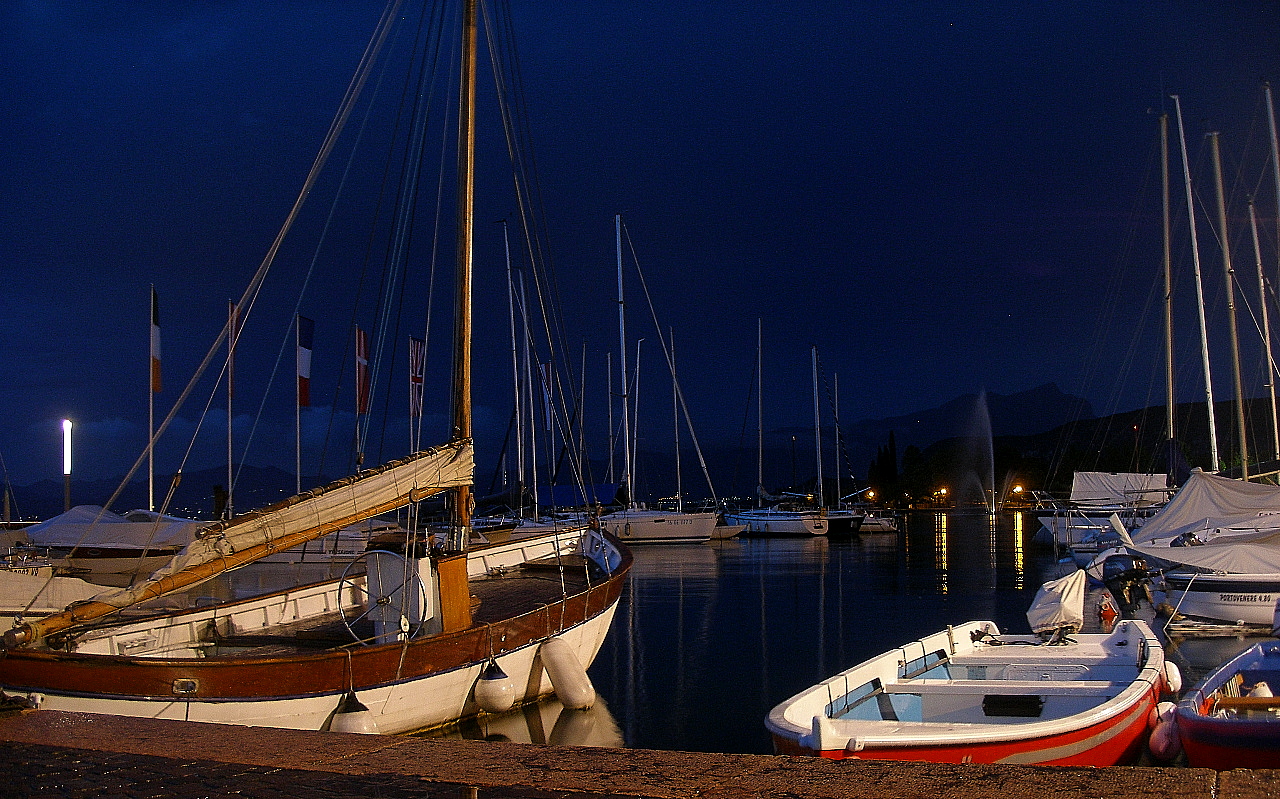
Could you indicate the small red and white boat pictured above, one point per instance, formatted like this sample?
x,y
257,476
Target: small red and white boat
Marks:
x,y
1231,719
970,694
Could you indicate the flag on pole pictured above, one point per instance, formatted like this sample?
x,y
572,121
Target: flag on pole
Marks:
x,y
306,331
362,371
417,368
155,342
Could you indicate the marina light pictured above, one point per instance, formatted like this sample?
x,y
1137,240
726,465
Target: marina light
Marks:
x,y
66,465
66,446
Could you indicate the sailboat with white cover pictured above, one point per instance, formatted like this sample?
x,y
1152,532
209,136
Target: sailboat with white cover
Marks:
x,y
415,638
92,539
1095,496
1221,538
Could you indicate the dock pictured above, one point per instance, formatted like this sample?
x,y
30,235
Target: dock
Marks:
x,y
58,754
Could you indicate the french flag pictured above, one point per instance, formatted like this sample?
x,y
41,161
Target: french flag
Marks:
x,y
306,331
155,342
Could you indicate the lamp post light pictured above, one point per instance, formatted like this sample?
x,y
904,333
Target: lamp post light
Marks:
x,y
66,465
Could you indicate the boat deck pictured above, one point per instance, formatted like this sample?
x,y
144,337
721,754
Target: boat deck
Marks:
x,y
533,585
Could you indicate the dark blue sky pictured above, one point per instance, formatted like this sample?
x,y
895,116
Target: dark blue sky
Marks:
x,y
942,201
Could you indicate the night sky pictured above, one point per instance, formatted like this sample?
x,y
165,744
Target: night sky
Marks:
x,y
942,201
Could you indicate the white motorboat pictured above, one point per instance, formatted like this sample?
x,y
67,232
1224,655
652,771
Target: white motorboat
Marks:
x,y
970,694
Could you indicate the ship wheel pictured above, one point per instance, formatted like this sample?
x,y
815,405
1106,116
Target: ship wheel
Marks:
x,y
395,597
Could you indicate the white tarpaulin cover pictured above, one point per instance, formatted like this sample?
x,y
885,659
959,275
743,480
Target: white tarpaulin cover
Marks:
x,y
91,526
1237,523
1059,603
1118,488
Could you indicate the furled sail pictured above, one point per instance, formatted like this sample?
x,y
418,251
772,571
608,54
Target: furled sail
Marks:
x,y
284,525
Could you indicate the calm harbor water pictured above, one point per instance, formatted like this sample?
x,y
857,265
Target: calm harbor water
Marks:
x,y
709,637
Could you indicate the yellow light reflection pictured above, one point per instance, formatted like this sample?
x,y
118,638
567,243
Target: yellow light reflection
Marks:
x,y
940,559
1019,552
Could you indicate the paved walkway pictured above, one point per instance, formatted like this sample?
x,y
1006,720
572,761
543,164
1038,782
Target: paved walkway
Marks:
x,y
51,754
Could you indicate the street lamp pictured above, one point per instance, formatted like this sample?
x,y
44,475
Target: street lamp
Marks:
x,y
66,464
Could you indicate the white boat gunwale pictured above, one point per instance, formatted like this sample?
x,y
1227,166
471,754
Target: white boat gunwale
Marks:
x,y
816,704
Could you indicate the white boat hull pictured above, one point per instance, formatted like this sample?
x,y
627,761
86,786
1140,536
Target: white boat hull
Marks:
x,y
169,666
431,701
665,527
1228,598
769,522
968,694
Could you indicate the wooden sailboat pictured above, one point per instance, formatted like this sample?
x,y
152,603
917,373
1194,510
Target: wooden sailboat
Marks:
x,y
414,639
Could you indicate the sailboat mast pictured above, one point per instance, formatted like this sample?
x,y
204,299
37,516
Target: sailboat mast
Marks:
x,y
817,426
1215,464
232,334
1230,274
835,410
1266,328
759,411
515,363
462,318
622,361
1275,151
675,414
153,387
1170,402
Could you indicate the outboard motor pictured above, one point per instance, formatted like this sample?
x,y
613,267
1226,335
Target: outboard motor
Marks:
x,y
1129,581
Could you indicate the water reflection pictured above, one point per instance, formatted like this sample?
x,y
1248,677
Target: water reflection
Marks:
x,y
940,550
708,638
547,722
1019,551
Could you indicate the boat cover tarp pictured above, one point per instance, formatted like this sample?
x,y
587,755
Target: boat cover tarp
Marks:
x,y
91,526
1236,523
1058,604
1118,488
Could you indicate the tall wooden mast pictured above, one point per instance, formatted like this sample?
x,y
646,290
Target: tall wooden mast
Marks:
x,y
462,319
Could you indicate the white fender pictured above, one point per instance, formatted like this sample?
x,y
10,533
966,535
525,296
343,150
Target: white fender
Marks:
x,y
1172,677
494,691
353,716
1164,742
572,685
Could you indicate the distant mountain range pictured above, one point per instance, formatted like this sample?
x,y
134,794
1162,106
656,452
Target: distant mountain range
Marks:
x,y
789,457
1034,416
